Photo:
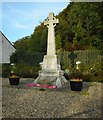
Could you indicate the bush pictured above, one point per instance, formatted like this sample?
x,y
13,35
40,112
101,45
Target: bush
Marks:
x,y
6,69
76,74
21,69
27,71
93,72
73,74
87,77
96,69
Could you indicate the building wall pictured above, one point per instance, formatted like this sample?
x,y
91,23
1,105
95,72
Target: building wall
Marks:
x,y
0,48
6,49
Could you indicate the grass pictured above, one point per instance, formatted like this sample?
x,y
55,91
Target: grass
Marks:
x,y
84,93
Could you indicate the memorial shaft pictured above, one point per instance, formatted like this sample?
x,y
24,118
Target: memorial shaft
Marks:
x,y
51,23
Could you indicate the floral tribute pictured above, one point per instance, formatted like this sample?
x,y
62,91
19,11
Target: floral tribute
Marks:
x,y
76,79
41,85
13,76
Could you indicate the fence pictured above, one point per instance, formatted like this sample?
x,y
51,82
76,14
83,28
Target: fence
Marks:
x,y
85,56
88,56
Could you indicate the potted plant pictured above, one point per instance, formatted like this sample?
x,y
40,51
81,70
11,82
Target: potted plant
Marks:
x,y
76,80
13,78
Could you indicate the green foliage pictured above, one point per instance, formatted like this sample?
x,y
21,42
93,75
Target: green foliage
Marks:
x,y
84,93
6,69
21,69
58,41
80,26
87,77
84,19
96,69
88,72
26,57
73,73
93,72
25,70
68,46
36,42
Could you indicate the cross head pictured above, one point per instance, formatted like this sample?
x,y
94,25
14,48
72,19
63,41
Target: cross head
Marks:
x,y
51,20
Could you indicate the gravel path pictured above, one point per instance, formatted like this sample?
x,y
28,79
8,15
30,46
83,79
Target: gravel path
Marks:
x,y
23,102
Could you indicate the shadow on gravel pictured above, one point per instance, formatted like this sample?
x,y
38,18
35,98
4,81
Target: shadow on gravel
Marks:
x,y
89,113
24,81
66,87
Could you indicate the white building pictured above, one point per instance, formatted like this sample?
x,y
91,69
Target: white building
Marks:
x,y
6,49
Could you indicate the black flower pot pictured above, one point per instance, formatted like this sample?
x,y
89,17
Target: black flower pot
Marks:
x,y
76,85
14,81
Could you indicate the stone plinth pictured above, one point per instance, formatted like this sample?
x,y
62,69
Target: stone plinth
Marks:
x,y
55,77
50,62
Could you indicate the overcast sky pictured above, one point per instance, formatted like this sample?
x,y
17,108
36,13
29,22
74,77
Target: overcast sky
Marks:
x,y
19,19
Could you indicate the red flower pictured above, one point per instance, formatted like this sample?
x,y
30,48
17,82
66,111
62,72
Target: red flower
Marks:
x,y
41,85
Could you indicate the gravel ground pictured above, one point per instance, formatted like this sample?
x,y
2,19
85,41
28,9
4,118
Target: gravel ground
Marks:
x,y
29,102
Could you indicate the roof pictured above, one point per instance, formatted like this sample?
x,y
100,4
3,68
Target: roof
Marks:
x,y
6,39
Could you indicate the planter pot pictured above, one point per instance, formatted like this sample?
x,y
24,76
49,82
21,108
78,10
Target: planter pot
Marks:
x,y
14,81
76,86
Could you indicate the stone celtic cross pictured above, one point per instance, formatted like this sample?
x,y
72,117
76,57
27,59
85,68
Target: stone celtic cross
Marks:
x,y
50,68
51,23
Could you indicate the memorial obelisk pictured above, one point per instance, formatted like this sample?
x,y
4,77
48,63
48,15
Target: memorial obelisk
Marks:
x,y
50,69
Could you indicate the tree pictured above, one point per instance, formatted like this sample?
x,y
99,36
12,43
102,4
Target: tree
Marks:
x,y
58,41
80,27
